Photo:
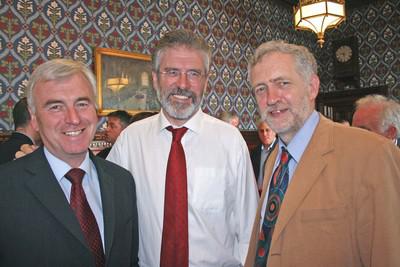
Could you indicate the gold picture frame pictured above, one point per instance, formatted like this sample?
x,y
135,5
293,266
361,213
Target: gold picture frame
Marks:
x,y
124,81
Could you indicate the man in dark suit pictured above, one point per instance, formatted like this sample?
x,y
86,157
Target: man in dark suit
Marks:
x,y
24,132
378,114
259,155
42,223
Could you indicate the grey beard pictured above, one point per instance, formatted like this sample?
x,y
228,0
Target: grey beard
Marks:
x,y
179,111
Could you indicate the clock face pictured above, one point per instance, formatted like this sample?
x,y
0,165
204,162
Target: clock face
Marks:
x,y
344,53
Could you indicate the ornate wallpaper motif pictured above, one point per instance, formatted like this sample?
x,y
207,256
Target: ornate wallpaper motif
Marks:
x,y
32,32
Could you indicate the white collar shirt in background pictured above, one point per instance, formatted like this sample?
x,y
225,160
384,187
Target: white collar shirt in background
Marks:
x,y
222,193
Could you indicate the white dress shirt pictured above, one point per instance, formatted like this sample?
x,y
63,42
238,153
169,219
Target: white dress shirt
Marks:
x,y
222,193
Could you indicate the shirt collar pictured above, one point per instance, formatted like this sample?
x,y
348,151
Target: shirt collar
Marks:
x,y
193,124
301,139
60,168
270,145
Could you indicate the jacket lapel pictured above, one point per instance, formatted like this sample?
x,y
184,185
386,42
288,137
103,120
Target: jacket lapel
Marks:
x,y
106,182
308,171
43,184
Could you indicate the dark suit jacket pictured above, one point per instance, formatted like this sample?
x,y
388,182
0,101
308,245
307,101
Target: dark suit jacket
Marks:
x,y
255,156
104,153
38,227
12,145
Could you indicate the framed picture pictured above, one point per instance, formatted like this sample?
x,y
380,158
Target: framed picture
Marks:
x,y
124,81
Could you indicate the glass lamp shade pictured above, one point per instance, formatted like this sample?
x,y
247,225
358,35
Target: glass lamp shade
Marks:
x,y
318,16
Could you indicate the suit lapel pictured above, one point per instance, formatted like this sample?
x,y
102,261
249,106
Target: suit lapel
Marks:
x,y
43,184
308,171
106,182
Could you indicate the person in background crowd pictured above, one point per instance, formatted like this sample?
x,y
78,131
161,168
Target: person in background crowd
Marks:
x,y
333,192
142,115
259,155
196,195
230,118
62,206
380,115
24,132
116,122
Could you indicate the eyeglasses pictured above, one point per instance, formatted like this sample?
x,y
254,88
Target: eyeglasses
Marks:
x,y
192,75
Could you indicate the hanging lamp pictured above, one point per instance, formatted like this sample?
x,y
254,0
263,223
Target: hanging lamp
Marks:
x,y
318,15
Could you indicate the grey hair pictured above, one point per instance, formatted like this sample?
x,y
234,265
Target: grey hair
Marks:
x,y
227,116
184,38
305,62
54,70
390,114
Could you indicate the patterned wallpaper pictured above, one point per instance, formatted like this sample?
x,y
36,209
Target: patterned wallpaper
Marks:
x,y
377,30
32,32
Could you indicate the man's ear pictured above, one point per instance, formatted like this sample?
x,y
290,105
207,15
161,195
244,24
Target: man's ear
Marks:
x,y
391,132
154,75
34,122
314,85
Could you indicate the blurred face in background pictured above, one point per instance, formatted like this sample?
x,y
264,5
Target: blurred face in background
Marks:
x,y
265,133
114,128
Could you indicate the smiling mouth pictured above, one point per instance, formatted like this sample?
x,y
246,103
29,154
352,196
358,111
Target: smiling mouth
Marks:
x,y
73,133
182,97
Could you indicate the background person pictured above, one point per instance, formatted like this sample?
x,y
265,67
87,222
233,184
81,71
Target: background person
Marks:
x,y
380,115
24,132
217,197
54,217
334,191
259,155
230,118
116,122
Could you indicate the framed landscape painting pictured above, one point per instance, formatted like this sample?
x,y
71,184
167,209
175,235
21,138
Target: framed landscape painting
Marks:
x,y
124,82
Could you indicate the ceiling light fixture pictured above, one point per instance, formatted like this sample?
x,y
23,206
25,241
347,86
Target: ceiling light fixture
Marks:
x,y
318,15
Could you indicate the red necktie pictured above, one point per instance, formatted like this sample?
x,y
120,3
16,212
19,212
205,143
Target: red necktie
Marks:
x,y
85,215
175,246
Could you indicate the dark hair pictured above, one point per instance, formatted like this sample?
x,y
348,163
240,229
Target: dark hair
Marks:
x,y
122,115
142,115
21,115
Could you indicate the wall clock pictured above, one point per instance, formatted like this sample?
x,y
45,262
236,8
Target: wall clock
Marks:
x,y
344,53
346,71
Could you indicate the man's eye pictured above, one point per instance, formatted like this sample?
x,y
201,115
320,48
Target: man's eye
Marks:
x,y
283,83
260,90
82,104
55,107
194,74
172,73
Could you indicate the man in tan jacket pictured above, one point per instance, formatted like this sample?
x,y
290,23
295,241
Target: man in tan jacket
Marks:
x,y
341,205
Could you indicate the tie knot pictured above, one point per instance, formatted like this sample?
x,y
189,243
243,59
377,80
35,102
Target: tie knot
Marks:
x,y
75,176
285,156
177,133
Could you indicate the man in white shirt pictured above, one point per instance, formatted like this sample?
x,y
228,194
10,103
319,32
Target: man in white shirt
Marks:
x,y
221,190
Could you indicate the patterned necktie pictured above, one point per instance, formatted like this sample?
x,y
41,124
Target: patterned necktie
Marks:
x,y
85,216
175,246
276,193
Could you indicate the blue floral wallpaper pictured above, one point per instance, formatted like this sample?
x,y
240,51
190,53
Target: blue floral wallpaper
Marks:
x,y
33,31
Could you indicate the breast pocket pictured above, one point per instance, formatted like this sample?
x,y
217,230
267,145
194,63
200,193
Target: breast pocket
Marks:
x,y
208,189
